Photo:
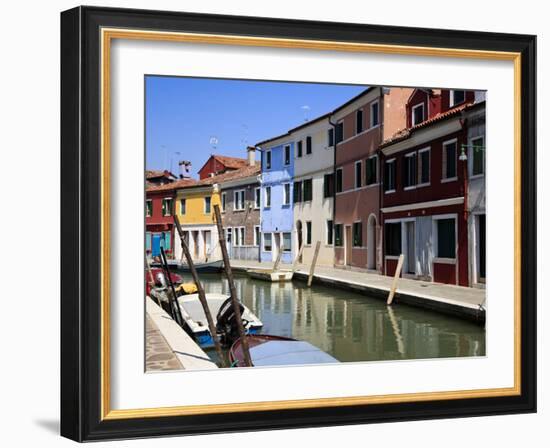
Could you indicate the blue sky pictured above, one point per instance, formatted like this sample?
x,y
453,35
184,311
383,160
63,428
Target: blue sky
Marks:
x,y
183,114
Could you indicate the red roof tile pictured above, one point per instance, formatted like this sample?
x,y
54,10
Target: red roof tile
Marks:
x,y
180,183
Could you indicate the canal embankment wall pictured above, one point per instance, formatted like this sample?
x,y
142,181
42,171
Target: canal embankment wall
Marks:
x,y
465,303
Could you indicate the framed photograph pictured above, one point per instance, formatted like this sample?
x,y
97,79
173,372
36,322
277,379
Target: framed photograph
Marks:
x,y
276,224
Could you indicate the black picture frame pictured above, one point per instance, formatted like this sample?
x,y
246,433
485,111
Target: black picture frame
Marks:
x,y
81,224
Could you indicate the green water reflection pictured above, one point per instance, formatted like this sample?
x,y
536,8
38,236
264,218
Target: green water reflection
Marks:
x,y
351,326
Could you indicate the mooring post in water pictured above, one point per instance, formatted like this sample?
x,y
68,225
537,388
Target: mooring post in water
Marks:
x,y
232,289
313,263
395,278
295,264
278,259
200,291
172,297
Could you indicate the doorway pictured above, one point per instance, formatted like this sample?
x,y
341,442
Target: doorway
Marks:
x,y
411,247
207,243
276,245
481,248
371,242
300,238
195,239
349,245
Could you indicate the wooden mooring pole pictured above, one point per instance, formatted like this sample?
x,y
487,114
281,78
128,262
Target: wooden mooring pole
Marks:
x,y
395,278
295,264
232,289
313,263
202,295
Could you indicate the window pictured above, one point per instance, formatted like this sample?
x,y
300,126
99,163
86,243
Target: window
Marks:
x,y
257,235
449,160
148,241
339,180
207,204
299,146
338,235
417,114
297,191
374,114
308,233
257,197
358,171
183,206
166,207
371,170
237,240
328,185
392,236
238,203
456,97
267,242
268,159
477,156
359,121
166,241
287,242
309,147
223,201
424,166
446,238
241,231
330,231
287,155
330,136
339,132
267,197
286,194
389,175
308,190
409,170
357,234
149,207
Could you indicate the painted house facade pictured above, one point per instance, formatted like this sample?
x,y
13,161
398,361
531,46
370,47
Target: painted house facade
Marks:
x,y
159,221
277,222
240,196
358,128
194,206
425,183
477,150
313,191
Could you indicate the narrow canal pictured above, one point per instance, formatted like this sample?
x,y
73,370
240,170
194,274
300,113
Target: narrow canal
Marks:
x,y
351,326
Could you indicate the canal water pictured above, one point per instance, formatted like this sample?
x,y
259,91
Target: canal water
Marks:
x,y
351,326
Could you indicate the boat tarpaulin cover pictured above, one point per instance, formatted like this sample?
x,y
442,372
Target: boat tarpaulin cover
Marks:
x,y
273,353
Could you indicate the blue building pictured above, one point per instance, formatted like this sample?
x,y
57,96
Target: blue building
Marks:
x,y
276,213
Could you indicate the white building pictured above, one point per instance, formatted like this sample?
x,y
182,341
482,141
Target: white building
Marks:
x,y
476,153
314,190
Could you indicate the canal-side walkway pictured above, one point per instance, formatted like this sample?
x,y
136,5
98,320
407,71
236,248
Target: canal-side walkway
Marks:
x,y
168,346
449,299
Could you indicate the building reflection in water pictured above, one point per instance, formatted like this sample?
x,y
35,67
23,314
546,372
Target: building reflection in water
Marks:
x,y
353,327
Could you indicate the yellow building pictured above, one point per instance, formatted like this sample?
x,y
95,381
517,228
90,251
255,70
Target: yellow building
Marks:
x,y
195,210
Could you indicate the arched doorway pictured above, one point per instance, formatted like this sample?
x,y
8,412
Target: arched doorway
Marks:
x,y
299,237
371,242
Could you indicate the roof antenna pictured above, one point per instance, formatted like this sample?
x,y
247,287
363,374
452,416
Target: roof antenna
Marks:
x,y
214,143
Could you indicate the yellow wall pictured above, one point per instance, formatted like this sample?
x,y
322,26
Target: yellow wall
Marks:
x,y
195,206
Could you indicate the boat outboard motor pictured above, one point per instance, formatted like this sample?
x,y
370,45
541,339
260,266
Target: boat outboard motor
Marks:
x,y
226,322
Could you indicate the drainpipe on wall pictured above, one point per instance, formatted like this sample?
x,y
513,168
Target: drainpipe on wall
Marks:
x,y
333,189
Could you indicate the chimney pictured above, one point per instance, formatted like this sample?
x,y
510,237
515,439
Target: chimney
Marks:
x,y
251,154
185,168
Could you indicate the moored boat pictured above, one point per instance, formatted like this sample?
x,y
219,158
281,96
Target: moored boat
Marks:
x,y
205,267
271,276
221,310
271,350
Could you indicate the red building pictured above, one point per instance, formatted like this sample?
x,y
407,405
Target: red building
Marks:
x,y
217,164
159,221
360,125
425,185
